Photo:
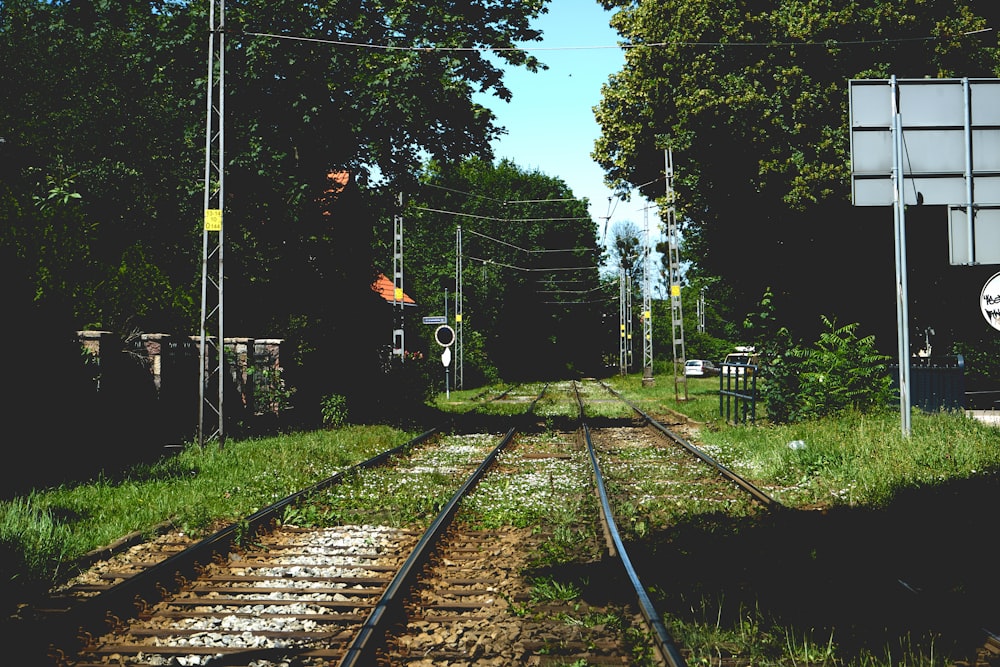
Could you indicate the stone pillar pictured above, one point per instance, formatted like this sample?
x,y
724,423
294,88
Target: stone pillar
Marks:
x,y
91,340
267,362
154,345
238,363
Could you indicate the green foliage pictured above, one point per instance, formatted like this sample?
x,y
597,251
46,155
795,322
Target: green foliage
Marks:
x,y
101,156
32,544
752,100
548,589
982,361
334,410
530,255
839,372
271,393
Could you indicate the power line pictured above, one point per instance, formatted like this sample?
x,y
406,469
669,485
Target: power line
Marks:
x,y
494,219
511,245
828,43
539,201
570,291
501,201
529,269
462,192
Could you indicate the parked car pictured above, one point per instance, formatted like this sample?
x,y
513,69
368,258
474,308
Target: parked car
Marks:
x,y
744,360
700,368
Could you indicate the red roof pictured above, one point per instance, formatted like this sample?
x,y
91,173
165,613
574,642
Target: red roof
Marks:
x,y
337,182
386,289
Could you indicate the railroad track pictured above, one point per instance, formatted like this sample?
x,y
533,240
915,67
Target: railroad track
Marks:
x,y
441,591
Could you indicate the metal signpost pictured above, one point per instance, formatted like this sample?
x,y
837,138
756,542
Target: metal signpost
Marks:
x,y
934,142
445,336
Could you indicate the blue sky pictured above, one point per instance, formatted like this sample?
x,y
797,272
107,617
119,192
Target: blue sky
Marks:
x,y
550,121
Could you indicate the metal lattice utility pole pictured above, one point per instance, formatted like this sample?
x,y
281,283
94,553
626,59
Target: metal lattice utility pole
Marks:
x,y
674,265
622,347
397,277
647,311
701,311
628,320
459,383
212,351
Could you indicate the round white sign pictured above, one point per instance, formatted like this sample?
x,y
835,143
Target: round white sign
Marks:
x,y
989,301
444,335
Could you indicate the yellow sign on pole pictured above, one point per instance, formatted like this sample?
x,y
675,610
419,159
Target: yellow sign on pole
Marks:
x,y
675,290
399,294
458,317
213,220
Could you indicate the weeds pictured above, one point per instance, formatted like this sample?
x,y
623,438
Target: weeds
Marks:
x,y
547,589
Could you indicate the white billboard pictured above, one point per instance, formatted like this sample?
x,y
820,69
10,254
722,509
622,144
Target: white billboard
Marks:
x,y
951,141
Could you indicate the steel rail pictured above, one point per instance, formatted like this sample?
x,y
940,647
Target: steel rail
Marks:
x,y
661,637
746,485
664,642
362,649
91,615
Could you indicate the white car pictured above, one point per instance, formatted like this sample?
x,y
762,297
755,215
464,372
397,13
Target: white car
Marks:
x,y
740,362
700,368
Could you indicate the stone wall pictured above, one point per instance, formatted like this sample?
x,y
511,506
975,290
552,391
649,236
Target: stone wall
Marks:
x,y
170,364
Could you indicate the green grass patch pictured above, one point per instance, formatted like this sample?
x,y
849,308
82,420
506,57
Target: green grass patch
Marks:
x,y
44,532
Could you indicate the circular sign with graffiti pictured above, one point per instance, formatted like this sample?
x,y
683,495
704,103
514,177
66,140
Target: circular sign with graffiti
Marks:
x,y
989,301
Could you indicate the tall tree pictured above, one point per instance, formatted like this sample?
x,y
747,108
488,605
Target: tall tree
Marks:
x,y
752,98
94,125
102,129
530,265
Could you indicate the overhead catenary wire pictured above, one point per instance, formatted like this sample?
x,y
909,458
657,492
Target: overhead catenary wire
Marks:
x,y
495,219
570,291
531,269
502,201
516,247
463,192
625,46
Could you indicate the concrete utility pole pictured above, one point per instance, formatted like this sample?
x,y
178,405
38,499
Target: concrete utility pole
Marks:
x,y
211,352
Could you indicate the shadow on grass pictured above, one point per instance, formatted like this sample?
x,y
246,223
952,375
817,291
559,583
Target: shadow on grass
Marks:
x,y
921,569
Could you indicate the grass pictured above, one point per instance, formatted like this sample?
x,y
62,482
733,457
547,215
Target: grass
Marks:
x,y
41,532
411,492
853,459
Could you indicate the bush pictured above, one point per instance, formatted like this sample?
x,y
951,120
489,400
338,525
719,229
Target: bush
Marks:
x,y
333,409
840,372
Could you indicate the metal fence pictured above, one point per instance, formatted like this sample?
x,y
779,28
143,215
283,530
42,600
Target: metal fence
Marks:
x,y
738,393
936,383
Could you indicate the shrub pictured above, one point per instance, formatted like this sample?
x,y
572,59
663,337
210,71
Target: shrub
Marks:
x,y
333,409
840,372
